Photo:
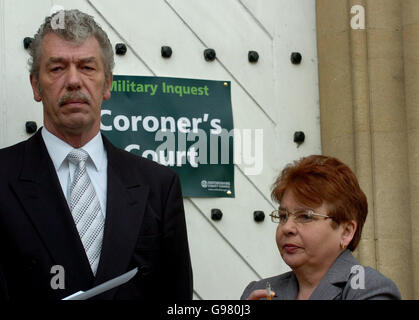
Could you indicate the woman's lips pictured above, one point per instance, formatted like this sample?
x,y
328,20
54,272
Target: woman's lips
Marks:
x,y
290,248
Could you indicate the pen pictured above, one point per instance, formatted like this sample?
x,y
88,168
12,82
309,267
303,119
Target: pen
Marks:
x,y
268,291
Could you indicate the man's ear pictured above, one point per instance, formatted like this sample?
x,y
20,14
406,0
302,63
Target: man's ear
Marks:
x,y
349,229
107,90
35,88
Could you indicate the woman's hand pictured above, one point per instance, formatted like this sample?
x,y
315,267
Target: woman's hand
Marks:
x,y
259,294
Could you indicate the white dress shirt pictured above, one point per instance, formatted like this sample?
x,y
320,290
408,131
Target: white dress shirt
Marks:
x,y
96,164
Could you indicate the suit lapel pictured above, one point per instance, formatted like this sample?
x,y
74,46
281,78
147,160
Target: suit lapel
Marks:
x,y
286,288
40,194
332,284
126,203
326,291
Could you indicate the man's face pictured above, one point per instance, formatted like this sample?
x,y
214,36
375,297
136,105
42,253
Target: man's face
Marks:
x,y
71,85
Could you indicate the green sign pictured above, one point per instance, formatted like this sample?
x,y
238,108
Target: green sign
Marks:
x,y
185,124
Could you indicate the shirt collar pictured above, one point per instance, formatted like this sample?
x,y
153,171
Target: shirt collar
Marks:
x,y
59,149
96,150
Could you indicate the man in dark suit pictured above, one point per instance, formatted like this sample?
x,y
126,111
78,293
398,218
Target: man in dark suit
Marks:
x,y
69,198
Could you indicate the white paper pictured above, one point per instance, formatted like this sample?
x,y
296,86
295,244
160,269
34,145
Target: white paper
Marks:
x,y
110,284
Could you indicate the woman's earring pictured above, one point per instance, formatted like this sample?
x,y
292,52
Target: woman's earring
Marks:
x,y
342,246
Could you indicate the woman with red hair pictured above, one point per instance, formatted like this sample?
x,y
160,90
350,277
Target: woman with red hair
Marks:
x,y
320,218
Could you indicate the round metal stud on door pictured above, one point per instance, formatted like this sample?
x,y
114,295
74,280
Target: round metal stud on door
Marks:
x,y
258,216
216,214
120,49
31,127
253,56
27,42
166,51
299,137
209,54
296,57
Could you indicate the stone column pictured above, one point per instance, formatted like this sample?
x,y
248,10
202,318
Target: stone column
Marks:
x,y
368,115
362,134
389,141
410,10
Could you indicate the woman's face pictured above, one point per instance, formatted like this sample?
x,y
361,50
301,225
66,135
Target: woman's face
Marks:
x,y
308,246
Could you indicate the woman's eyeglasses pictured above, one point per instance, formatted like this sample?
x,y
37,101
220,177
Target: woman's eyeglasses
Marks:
x,y
300,216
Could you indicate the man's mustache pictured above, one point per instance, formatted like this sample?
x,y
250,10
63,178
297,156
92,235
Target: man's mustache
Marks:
x,y
73,96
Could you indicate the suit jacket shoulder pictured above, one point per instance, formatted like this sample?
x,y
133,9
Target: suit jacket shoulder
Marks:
x,y
366,283
347,279
11,158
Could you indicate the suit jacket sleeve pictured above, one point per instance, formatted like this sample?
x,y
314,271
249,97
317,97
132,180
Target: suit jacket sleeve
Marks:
x,y
177,265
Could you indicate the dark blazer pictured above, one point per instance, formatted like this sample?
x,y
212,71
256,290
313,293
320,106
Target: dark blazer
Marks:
x,y
144,227
335,285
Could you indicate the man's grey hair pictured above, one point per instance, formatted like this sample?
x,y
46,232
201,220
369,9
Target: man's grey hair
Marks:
x,y
77,27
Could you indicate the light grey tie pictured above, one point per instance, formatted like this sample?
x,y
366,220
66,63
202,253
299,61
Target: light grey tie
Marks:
x,y
85,208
